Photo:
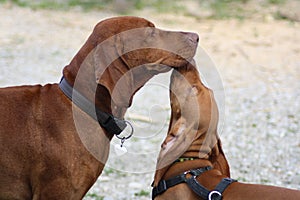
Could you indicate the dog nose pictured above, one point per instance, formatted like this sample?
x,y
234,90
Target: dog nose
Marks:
x,y
193,37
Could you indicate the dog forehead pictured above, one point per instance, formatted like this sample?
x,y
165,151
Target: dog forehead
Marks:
x,y
119,24
111,27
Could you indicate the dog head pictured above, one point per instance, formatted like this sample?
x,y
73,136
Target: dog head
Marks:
x,y
193,126
139,53
129,51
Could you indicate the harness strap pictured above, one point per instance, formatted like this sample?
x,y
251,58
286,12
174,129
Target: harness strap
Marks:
x,y
110,123
192,182
221,187
197,188
163,185
204,193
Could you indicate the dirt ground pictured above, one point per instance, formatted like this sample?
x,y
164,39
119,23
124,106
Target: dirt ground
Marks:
x,y
256,69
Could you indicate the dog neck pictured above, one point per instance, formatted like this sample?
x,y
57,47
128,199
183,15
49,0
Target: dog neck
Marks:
x,y
206,145
111,91
203,156
206,148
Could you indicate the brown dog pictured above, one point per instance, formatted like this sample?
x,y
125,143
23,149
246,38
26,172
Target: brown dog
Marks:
x,y
48,154
193,134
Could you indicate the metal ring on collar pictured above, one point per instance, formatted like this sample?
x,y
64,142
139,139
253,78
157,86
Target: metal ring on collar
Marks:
x,y
187,172
131,133
214,192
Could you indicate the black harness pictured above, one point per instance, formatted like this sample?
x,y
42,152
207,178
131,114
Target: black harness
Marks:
x,y
110,123
189,177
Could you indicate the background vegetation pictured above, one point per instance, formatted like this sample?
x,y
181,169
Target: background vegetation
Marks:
x,y
215,9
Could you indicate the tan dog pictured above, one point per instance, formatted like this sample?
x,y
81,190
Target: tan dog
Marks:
x,y
193,135
48,154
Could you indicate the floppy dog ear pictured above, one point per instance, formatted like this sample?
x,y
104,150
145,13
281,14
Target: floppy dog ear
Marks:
x,y
176,143
118,75
219,160
119,84
112,72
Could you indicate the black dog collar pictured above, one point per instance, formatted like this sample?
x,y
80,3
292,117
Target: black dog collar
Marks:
x,y
110,123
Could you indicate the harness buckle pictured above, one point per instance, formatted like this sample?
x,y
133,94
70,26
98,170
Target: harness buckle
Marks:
x,y
214,195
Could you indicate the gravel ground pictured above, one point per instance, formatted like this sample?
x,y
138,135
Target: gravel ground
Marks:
x,y
253,69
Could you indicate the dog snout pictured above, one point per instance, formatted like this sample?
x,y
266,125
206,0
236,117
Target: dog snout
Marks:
x,y
193,37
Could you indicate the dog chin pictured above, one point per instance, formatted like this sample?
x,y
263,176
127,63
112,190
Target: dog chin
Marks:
x,y
180,63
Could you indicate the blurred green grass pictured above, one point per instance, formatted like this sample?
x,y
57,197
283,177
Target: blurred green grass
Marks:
x,y
158,5
218,9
